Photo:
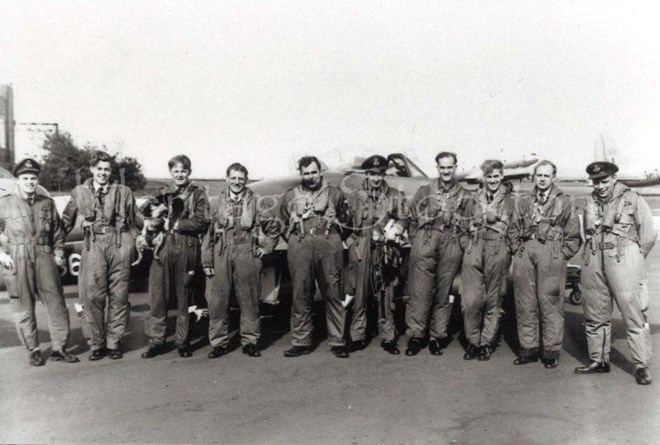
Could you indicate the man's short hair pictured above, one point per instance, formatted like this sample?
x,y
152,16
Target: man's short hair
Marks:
x,y
238,167
446,154
546,162
179,159
306,161
99,156
490,165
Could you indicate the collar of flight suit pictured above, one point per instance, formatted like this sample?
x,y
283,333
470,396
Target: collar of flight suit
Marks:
x,y
452,189
378,192
92,186
552,193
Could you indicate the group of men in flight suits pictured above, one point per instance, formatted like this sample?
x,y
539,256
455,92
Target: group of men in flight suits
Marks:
x,y
222,240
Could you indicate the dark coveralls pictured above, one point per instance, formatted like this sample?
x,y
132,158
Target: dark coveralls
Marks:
x,y
486,264
620,235
110,225
176,274
313,224
545,235
373,264
32,235
438,228
229,247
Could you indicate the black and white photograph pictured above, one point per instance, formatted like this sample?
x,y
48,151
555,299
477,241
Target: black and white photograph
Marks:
x,y
329,222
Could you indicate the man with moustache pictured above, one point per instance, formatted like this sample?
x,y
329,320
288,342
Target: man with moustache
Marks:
x,y
109,223
545,234
618,225
486,261
314,217
378,225
438,229
31,231
173,276
231,260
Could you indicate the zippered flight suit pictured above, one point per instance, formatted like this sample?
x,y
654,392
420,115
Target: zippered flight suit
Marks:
x,y
110,224
545,236
620,234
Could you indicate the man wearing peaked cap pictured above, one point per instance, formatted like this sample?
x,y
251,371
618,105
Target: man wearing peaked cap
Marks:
x,y
375,163
374,254
601,169
31,251
618,226
27,165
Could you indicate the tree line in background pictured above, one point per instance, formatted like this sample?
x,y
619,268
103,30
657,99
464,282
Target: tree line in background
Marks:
x,y
65,165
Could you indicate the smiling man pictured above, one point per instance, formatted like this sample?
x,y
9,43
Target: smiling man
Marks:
x,y
106,210
31,232
545,234
314,217
174,276
618,225
231,260
438,230
486,261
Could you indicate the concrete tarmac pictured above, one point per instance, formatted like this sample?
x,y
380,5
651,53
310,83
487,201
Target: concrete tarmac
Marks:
x,y
370,398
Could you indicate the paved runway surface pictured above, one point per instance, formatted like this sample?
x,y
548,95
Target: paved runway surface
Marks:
x,y
371,397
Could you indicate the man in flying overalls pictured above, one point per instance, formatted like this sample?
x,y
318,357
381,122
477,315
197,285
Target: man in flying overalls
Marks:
x,y
314,217
618,225
173,276
31,232
545,234
438,229
486,261
109,223
374,254
231,259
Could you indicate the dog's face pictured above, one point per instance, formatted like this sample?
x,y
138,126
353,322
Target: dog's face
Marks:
x,y
159,210
155,224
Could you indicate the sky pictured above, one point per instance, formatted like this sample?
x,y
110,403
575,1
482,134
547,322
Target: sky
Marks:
x,y
266,82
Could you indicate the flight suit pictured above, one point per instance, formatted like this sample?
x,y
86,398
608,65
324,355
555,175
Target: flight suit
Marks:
x,y
620,235
486,264
314,223
374,265
438,228
545,235
32,235
229,247
110,224
176,274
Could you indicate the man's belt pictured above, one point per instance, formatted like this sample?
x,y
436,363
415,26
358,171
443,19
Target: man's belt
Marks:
x,y
535,236
604,245
104,230
439,226
315,231
491,235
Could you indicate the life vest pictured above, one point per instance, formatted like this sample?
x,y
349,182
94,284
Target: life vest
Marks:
x,y
616,217
493,215
225,218
384,204
442,205
546,219
91,210
306,203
